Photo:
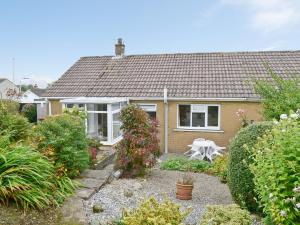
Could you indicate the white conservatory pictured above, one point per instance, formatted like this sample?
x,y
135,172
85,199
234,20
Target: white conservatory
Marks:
x,y
103,116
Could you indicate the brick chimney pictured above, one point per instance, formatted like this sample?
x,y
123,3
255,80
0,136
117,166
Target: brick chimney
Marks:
x,y
119,48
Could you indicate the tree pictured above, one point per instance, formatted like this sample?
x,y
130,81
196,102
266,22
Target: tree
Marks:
x,y
279,95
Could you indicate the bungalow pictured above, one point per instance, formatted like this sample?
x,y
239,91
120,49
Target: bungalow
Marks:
x,y
192,95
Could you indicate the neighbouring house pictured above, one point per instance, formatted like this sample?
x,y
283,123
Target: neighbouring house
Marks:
x,y
7,88
34,96
192,95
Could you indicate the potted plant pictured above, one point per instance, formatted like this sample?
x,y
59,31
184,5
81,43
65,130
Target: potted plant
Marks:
x,y
184,187
94,144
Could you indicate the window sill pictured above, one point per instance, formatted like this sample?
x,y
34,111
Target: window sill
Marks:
x,y
199,130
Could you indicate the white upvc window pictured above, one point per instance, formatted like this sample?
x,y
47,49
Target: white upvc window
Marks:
x,y
150,109
198,116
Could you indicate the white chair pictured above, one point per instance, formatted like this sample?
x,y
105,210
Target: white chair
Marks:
x,y
194,147
199,154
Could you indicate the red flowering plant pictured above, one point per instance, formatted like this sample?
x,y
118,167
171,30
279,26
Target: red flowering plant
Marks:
x,y
139,148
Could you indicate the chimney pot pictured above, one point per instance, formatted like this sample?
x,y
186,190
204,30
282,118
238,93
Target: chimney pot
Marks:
x,y
119,48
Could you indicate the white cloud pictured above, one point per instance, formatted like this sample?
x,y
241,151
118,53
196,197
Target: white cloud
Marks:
x,y
269,15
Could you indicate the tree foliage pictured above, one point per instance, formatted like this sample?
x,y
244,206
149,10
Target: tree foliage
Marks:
x,y
139,147
276,170
279,95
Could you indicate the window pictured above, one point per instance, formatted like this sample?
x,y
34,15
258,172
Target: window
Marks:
x,y
198,116
150,109
71,106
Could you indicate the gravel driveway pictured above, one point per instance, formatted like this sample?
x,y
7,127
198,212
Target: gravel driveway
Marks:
x,y
207,190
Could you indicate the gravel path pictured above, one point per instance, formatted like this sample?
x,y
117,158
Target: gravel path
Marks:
x,y
207,190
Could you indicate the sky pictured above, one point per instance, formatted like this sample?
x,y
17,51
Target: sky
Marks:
x,y
46,37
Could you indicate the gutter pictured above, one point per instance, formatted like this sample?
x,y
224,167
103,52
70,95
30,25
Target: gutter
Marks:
x,y
166,118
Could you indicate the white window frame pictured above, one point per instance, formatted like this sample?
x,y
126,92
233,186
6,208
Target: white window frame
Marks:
x,y
109,112
206,127
148,104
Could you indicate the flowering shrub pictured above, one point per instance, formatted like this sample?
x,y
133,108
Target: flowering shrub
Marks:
x,y
226,215
63,141
152,212
276,170
240,178
139,147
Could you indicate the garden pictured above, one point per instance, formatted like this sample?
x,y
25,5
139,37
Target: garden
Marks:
x,y
38,163
257,181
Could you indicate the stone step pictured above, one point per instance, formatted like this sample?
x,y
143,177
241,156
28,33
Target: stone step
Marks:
x,y
91,183
85,193
96,174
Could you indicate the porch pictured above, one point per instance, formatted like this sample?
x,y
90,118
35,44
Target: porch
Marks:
x,y
103,116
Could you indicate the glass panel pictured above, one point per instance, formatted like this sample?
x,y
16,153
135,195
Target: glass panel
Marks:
x,y
116,126
148,108
69,106
97,125
198,119
152,115
198,108
184,115
97,107
213,116
115,106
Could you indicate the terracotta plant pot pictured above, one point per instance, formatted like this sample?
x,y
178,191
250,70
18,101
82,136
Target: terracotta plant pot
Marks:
x,y
184,191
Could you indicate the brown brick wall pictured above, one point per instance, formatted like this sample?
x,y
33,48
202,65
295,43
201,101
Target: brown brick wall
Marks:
x,y
178,140
230,124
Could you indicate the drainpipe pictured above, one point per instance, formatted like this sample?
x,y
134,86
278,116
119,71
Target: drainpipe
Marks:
x,y
166,117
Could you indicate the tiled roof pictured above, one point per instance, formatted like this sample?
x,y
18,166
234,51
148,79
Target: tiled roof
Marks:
x,y
191,75
38,91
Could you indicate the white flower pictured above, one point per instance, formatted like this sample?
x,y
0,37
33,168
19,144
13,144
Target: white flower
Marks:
x,y
283,116
270,195
294,116
283,213
276,122
298,205
296,189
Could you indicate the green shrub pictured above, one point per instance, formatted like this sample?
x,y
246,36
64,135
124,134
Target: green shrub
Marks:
x,y
9,107
240,178
139,147
152,212
226,215
63,141
29,111
276,170
182,163
278,95
219,167
27,178
15,125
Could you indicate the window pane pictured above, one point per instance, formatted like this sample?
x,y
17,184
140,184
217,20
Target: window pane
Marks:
x,y
97,125
69,106
198,108
96,107
115,106
148,108
152,115
184,115
198,119
116,126
213,115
